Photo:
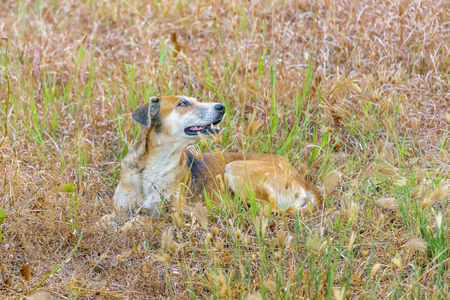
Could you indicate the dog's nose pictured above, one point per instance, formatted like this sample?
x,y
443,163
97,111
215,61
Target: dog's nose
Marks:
x,y
220,107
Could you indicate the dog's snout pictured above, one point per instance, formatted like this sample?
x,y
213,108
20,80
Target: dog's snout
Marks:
x,y
220,107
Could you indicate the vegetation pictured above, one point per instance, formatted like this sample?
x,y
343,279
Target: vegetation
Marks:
x,y
355,93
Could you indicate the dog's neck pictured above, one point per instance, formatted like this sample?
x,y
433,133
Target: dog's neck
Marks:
x,y
159,154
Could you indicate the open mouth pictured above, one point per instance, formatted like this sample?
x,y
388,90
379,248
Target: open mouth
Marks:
x,y
203,129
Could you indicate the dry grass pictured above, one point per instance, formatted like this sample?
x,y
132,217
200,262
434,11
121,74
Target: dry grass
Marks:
x,y
357,87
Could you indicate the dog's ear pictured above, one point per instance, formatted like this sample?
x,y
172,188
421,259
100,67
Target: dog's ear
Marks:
x,y
148,113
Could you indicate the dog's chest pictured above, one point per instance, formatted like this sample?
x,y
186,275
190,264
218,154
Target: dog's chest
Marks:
x,y
159,178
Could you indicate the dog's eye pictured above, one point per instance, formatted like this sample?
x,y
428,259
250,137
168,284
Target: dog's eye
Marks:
x,y
184,103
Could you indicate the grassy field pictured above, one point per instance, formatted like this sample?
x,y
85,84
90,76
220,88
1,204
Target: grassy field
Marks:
x,y
355,93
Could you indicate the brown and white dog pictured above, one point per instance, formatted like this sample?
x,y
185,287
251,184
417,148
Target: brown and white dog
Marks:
x,y
159,164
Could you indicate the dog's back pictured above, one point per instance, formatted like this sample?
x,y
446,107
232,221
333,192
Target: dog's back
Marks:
x,y
271,177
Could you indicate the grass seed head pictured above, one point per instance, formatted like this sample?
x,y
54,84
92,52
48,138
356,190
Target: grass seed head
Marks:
x,y
254,296
355,87
352,241
418,191
164,258
350,210
418,244
254,258
357,59
370,171
200,215
306,56
397,261
330,182
374,269
25,272
426,203
273,201
220,182
401,181
220,281
439,217
323,245
203,138
167,242
72,283
208,238
239,141
197,152
438,194
415,124
217,140
290,177
398,76
380,146
260,224
313,243
219,153
387,203
284,239
302,168
270,285
388,171
41,295
339,293
177,220
238,234
253,127
390,127
214,231
447,117
180,203
277,255
218,244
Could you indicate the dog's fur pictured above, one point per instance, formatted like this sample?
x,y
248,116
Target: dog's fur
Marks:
x,y
159,164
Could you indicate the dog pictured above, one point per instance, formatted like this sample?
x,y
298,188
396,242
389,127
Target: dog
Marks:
x,y
159,165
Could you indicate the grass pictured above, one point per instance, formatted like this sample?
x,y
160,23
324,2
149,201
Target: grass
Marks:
x,y
354,89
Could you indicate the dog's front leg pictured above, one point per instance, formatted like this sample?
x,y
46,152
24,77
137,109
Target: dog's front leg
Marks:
x,y
152,205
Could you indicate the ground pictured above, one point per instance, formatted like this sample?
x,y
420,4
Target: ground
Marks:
x,y
355,94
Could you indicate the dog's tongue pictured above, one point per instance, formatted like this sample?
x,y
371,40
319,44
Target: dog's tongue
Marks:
x,y
197,128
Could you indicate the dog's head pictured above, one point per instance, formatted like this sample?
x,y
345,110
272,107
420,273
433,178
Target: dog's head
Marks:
x,y
180,117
